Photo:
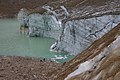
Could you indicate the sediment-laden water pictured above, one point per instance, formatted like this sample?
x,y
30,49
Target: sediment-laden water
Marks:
x,y
14,44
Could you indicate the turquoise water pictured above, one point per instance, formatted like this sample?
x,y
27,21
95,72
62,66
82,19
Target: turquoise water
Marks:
x,y
14,44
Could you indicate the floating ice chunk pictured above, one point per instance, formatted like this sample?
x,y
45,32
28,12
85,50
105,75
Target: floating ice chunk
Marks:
x,y
60,57
53,46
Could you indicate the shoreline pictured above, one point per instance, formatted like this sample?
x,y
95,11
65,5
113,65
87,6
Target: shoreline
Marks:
x,y
26,68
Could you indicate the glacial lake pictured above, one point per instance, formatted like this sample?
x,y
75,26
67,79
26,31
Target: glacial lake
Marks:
x,y
12,43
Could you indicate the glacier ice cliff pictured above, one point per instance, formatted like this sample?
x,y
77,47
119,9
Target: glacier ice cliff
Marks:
x,y
104,66
100,61
73,27
23,17
89,29
44,26
40,25
72,36
77,35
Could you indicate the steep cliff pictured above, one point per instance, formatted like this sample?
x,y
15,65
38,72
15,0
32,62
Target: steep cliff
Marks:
x,y
104,66
74,24
79,34
44,26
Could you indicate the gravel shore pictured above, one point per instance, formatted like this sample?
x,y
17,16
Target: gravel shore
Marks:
x,y
25,68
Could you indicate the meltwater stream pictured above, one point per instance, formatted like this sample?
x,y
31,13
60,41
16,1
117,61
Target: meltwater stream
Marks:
x,y
12,43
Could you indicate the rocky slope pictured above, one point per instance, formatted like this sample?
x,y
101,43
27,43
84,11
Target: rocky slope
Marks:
x,y
104,66
24,68
107,69
100,61
10,8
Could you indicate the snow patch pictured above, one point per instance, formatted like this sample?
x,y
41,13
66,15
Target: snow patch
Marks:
x,y
59,57
90,64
